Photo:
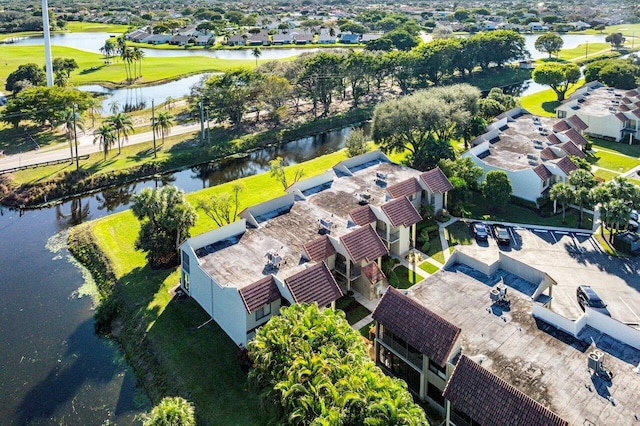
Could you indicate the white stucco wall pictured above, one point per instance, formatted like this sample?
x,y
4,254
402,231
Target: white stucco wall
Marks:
x,y
607,125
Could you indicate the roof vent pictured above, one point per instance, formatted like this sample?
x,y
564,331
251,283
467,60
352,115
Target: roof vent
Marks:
x,y
324,226
363,198
595,362
273,259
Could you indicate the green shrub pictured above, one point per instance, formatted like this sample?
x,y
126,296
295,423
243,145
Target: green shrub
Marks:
x,y
426,246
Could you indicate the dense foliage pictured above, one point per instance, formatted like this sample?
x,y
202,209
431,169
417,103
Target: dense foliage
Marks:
x,y
618,73
171,411
560,77
313,368
496,189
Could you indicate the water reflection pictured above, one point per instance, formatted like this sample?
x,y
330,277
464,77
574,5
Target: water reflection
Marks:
x,y
112,198
77,212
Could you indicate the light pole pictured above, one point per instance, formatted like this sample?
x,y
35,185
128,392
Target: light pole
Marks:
x,y
153,127
47,42
75,137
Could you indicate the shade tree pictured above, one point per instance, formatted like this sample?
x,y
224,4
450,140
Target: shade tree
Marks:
x,y
560,77
550,43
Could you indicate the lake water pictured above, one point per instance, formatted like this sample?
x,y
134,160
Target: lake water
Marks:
x,y
55,369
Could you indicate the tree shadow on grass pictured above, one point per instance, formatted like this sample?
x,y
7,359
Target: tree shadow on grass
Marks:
x,y
550,106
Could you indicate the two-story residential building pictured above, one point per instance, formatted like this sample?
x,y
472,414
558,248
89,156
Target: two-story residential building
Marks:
x,y
533,151
607,112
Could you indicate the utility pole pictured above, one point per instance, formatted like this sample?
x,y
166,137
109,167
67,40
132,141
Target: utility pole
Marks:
x,y
586,50
201,123
47,42
75,137
208,130
153,127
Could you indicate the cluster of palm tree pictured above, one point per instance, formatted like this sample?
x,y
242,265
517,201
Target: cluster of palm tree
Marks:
x,y
313,368
614,198
131,56
116,128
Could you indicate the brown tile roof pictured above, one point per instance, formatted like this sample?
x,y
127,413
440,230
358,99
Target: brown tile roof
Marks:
x,y
489,400
577,122
363,243
626,100
553,139
373,272
620,116
572,149
319,249
566,165
631,93
548,154
260,293
362,215
624,108
400,211
636,112
576,137
561,126
436,181
405,188
542,172
314,284
423,329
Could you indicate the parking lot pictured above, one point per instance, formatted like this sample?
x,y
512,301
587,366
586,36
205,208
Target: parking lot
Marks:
x,y
572,259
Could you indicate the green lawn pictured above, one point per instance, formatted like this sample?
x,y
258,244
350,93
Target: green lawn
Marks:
x,y
405,277
353,310
612,161
428,267
605,175
478,209
622,148
95,27
544,103
582,51
92,68
458,233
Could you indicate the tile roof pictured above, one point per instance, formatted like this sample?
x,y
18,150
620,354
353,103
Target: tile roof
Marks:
x,y
577,122
553,139
631,93
572,149
363,243
620,116
566,165
548,154
561,126
405,188
400,211
362,215
626,100
542,172
636,112
489,400
624,108
576,137
314,284
319,249
436,181
423,329
260,293
373,272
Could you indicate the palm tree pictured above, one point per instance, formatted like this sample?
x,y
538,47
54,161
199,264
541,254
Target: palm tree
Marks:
x,y
614,213
61,79
114,107
621,188
108,49
105,136
256,53
162,124
138,54
69,129
127,56
95,110
582,181
561,193
123,127
169,103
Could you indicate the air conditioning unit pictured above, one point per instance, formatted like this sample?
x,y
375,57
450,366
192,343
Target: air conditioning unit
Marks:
x,y
594,362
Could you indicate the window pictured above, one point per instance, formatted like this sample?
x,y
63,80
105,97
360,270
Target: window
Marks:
x,y
435,394
562,114
397,367
185,281
439,371
263,312
185,262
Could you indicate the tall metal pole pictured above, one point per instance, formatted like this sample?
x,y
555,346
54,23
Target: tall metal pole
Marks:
x,y
75,137
201,123
153,125
47,42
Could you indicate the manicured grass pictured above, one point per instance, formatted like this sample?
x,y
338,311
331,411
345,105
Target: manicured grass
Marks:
x,y
612,161
406,277
545,102
478,209
95,27
428,267
92,68
626,29
353,310
364,331
458,233
435,248
605,174
606,245
622,148
498,77
581,50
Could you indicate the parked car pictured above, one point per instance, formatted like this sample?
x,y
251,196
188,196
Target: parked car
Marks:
x,y
501,234
479,231
588,297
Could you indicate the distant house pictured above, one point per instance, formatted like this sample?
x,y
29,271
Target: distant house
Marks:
x,y
180,40
260,39
367,37
137,36
302,38
236,40
205,39
326,38
158,39
282,38
347,38
579,25
536,26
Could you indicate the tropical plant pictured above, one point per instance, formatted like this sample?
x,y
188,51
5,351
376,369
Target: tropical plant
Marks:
x,y
256,53
582,181
171,411
276,170
72,122
105,135
162,124
563,194
94,110
219,207
496,189
356,143
166,219
122,125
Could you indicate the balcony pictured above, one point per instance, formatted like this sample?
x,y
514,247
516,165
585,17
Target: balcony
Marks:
x,y
393,236
341,268
414,358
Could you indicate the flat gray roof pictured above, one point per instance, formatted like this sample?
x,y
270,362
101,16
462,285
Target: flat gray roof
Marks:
x,y
548,365
598,102
242,261
515,149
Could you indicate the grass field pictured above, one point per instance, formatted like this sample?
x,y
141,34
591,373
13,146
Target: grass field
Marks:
x,y
605,175
583,51
544,103
612,161
458,233
406,277
92,68
429,267
95,27
622,148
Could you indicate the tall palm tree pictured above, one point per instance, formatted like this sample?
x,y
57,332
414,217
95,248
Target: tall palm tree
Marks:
x,y
162,124
256,53
123,126
582,181
138,55
561,193
128,58
95,110
105,136
616,212
169,103
114,107
69,129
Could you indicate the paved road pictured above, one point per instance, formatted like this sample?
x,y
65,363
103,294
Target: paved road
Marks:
x,y
85,146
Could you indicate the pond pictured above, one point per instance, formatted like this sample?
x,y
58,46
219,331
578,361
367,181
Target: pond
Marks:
x,y
570,41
